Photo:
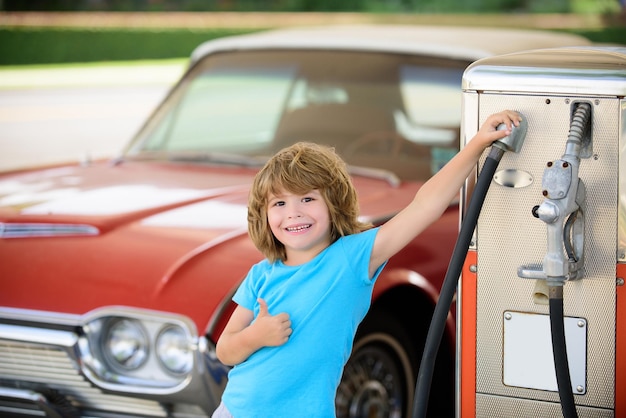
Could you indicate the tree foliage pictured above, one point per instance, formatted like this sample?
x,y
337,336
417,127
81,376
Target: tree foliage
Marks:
x,y
388,6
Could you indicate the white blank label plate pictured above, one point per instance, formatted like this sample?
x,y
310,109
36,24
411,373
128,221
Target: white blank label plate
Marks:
x,y
527,357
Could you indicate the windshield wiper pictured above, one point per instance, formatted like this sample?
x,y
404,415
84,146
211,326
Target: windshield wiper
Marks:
x,y
218,158
375,173
255,161
201,158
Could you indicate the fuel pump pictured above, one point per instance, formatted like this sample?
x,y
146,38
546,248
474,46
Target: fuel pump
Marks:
x,y
541,301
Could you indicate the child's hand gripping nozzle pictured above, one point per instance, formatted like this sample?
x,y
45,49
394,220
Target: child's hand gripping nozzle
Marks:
x,y
512,142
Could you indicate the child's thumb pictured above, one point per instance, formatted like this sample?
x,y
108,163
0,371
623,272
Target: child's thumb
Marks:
x,y
262,307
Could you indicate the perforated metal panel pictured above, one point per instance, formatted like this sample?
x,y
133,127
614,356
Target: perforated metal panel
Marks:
x,y
489,406
508,236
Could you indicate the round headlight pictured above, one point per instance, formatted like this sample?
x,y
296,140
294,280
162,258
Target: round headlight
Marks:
x,y
174,350
126,344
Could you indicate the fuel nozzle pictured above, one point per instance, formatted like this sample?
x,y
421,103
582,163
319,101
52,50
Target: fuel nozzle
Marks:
x,y
561,210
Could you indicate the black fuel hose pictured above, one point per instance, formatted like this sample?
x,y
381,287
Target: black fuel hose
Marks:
x,y
559,352
448,288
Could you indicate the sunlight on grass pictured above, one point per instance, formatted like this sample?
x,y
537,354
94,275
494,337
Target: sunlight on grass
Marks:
x,y
595,6
104,73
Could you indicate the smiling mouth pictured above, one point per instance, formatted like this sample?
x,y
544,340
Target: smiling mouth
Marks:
x,y
298,228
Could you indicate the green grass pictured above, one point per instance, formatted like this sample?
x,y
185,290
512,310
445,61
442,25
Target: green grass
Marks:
x,y
594,6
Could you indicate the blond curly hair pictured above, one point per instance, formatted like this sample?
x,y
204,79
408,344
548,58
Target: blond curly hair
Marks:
x,y
299,169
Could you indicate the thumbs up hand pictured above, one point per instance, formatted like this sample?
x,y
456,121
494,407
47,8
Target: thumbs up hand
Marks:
x,y
273,329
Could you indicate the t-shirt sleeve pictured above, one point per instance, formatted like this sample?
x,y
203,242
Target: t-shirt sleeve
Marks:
x,y
246,295
358,249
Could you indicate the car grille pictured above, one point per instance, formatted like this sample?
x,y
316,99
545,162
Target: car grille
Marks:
x,y
44,368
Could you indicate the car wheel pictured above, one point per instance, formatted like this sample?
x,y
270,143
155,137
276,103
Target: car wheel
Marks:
x,y
378,380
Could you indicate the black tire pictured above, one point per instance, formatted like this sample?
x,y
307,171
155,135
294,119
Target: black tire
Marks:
x,y
379,378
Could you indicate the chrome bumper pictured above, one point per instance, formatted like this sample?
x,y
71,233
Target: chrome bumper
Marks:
x,y
42,373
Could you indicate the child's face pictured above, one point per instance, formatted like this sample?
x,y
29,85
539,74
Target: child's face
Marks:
x,y
301,223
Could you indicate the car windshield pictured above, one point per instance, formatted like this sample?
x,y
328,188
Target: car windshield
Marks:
x,y
387,112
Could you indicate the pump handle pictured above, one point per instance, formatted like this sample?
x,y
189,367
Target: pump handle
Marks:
x,y
515,140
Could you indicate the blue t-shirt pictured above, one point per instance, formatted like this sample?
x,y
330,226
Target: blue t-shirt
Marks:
x,y
326,299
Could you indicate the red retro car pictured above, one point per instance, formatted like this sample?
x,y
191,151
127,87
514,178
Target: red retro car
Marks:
x,y
116,277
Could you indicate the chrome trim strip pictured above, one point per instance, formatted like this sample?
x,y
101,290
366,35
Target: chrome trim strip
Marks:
x,y
38,335
621,192
28,230
469,127
27,395
31,397
31,315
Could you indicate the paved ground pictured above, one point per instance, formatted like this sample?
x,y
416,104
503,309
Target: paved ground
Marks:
x,y
281,19
57,114
140,72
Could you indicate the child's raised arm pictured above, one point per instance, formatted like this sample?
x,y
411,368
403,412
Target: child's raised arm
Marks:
x,y
435,195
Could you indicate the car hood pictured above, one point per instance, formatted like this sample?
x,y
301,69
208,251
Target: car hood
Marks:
x,y
104,194
132,234
149,235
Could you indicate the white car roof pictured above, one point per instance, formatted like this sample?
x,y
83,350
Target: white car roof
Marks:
x,y
466,43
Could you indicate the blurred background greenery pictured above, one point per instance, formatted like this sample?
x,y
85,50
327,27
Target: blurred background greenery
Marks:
x,y
369,6
78,31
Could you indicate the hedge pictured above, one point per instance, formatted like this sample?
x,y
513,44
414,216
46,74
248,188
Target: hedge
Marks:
x,y
25,45
28,45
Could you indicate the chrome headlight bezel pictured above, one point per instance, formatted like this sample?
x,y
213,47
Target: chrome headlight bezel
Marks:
x,y
113,336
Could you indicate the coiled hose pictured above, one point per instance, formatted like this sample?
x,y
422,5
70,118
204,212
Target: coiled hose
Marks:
x,y
448,288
